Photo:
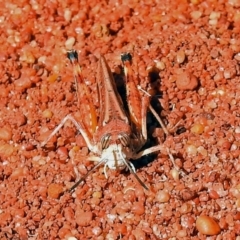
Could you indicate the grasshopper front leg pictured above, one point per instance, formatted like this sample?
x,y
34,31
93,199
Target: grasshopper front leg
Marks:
x,y
78,126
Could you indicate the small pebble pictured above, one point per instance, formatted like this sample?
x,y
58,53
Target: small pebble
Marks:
x,y
180,56
186,81
55,190
83,218
6,150
197,128
47,113
207,226
162,196
138,208
5,134
67,14
69,43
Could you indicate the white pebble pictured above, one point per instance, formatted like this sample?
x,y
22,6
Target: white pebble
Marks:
x,y
213,21
69,43
159,64
237,130
196,14
67,14
214,15
72,238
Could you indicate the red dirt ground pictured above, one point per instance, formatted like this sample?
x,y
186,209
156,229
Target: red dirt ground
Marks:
x,y
193,50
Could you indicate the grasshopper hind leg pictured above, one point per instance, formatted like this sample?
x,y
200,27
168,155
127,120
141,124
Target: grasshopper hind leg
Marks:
x,y
145,105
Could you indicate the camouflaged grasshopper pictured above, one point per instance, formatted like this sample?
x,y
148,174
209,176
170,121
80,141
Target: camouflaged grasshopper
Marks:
x,y
116,135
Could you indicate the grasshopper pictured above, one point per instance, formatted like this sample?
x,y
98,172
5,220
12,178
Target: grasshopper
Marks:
x,y
116,135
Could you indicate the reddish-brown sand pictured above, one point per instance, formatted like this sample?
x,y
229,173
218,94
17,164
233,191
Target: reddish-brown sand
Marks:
x,y
192,51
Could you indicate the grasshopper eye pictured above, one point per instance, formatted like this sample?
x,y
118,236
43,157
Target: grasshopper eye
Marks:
x,y
105,140
124,139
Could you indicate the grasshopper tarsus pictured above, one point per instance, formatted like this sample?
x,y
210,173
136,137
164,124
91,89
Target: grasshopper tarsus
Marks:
x,y
140,181
71,190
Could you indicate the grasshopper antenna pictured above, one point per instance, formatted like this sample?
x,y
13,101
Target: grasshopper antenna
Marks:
x,y
132,170
85,176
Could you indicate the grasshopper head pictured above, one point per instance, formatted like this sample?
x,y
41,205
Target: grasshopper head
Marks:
x,y
114,156
115,150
